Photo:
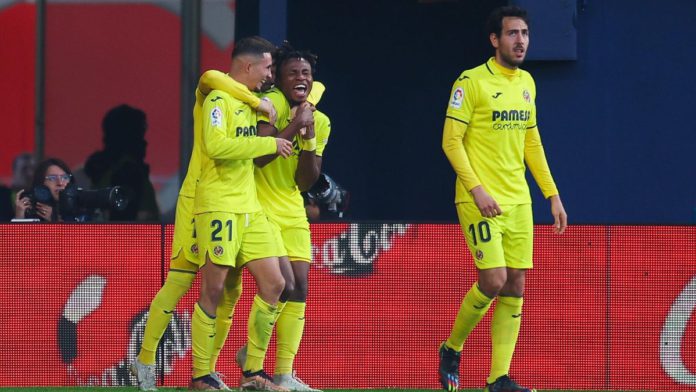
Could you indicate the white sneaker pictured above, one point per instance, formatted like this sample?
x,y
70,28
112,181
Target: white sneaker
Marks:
x,y
144,374
292,382
217,376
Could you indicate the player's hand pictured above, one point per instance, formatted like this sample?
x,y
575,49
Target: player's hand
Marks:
x,y
560,218
266,106
44,211
283,147
486,204
21,204
304,115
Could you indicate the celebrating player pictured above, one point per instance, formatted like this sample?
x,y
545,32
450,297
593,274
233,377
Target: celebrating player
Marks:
x,y
279,183
183,265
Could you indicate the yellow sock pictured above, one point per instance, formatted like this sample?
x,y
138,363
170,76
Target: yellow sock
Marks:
x,y
505,328
289,334
223,321
473,308
202,338
261,320
160,314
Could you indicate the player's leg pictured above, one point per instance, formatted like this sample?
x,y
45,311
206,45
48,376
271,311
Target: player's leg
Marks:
x,y
162,308
483,239
286,271
289,331
507,316
183,268
218,242
160,314
290,325
225,312
259,254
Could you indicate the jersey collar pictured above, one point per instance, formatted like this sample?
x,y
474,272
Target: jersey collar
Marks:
x,y
496,69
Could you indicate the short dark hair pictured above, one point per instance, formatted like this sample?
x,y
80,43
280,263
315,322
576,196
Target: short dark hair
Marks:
x,y
42,168
494,24
286,52
254,45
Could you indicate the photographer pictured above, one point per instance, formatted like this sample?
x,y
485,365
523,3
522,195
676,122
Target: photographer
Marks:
x,y
50,178
326,200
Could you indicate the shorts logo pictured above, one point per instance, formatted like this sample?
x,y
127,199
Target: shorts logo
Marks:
x,y
218,250
194,249
457,98
526,96
216,117
479,254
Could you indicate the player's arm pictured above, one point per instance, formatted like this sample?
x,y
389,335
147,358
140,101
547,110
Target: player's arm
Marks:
x,y
216,143
312,145
452,137
536,161
216,80
452,145
303,118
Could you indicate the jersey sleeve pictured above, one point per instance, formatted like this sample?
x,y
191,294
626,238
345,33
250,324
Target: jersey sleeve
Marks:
x,y
279,103
318,89
322,129
453,146
462,99
536,161
216,80
216,143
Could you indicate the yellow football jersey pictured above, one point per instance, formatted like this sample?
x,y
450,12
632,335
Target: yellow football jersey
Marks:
x,y
277,190
228,146
491,114
210,80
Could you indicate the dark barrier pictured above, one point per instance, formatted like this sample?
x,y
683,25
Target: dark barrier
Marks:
x,y
607,307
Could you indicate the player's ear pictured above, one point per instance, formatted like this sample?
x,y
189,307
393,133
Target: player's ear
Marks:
x,y
494,40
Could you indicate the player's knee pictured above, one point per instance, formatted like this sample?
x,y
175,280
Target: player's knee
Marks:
x,y
289,289
272,287
491,286
278,285
212,292
513,288
514,284
181,279
299,294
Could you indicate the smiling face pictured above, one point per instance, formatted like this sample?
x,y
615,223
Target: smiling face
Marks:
x,y
260,71
295,80
511,46
56,179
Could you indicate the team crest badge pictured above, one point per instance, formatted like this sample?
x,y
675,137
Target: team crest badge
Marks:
x,y
479,254
216,117
526,96
218,251
194,249
457,98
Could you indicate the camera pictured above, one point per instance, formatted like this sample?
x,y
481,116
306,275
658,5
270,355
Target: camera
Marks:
x,y
326,192
74,202
39,194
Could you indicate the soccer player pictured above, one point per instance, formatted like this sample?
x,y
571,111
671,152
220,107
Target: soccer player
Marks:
x,y
490,132
183,265
231,229
279,183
